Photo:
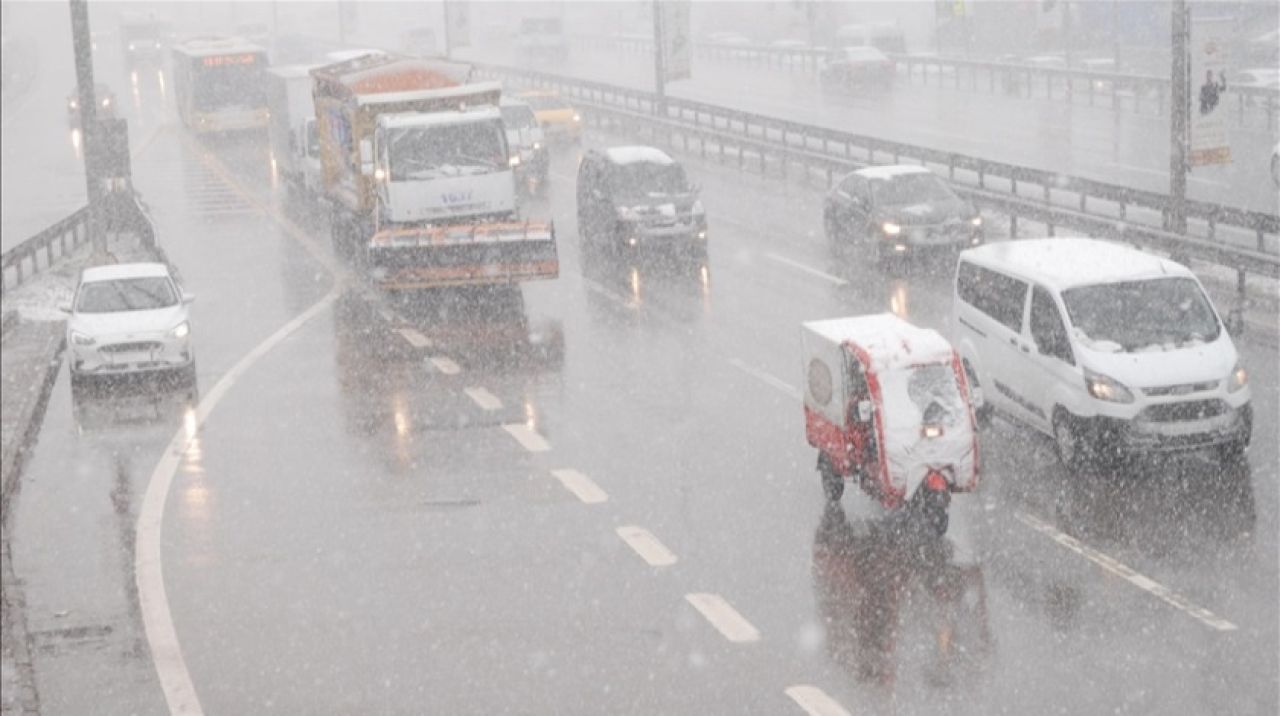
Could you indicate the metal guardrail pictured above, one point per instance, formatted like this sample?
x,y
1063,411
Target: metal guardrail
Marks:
x,y
122,211
1020,79
1093,207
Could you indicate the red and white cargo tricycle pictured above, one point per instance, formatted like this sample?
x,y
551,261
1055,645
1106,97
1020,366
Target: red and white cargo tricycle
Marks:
x,y
888,405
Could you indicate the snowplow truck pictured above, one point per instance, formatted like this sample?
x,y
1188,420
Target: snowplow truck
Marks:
x,y
416,169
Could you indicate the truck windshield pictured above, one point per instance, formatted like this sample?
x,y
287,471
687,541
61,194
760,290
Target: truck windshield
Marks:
x,y
132,294
1135,316
446,150
639,181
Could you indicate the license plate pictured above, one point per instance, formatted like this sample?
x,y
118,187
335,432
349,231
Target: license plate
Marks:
x,y
130,358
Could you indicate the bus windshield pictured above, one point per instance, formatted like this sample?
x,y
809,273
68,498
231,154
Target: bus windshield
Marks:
x,y
227,85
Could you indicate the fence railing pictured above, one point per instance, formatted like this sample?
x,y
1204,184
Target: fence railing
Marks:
x,y
1136,92
121,212
1241,239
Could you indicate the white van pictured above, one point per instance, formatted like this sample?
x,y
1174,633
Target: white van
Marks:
x,y
1111,351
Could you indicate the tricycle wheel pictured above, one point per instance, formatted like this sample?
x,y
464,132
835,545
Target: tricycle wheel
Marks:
x,y
832,483
937,519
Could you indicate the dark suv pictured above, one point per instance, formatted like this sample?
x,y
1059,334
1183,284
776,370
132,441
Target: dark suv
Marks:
x,y
638,198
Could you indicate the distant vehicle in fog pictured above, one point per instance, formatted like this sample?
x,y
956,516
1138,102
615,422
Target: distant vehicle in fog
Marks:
x,y
898,211
527,145
884,36
637,198
854,68
217,83
542,38
141,39
559,120
102,94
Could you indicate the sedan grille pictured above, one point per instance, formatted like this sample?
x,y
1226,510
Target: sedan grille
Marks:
x,y
1181,412
1184,389
138,347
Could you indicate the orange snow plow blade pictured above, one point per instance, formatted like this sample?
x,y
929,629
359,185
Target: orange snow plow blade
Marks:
x,y
463,255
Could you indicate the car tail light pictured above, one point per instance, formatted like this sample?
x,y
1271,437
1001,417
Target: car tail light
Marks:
x,y
931,431
935,481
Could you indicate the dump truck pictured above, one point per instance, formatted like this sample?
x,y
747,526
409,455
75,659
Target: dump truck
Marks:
x,y
416,168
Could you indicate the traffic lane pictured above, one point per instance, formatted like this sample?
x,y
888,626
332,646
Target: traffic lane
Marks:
x,y
1014,442
1094,142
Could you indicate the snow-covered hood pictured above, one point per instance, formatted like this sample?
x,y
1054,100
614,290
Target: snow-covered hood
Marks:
x,y
660,208
928,213
1156,368
128,324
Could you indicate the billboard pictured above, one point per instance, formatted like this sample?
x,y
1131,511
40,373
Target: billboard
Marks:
x,y
1210,40
677,45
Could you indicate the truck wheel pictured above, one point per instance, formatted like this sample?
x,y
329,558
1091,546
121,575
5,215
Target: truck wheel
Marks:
x,y
832,483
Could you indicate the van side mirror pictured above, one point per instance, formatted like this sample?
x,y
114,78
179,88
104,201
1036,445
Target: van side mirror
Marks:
x,y
1235,321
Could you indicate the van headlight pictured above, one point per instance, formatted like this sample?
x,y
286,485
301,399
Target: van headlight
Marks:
x,y
180,331
890,228
82,339
1106,388
1239,378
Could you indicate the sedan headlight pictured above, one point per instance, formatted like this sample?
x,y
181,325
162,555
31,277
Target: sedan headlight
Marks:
x,y
1106,388
890,228
1239,379
180,331
82,339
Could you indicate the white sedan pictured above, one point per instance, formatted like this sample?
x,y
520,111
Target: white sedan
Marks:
x,y
128,319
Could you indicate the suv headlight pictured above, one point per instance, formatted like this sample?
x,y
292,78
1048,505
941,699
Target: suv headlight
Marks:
x,y
1238,379
82,339
180,331
1106,388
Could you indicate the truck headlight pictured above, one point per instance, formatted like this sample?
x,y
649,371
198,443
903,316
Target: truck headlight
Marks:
x,y
180,331
890,228
1239,379
82,339
1106,388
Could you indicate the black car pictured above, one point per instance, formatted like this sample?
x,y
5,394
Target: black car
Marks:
x,y
638,198
898,211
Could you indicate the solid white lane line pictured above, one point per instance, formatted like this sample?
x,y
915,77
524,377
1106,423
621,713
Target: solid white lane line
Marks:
x,y
531,441
647,546
445,365
758,374
483,398
723,617
807,269
815,701
157,621
581,486
416,339
1146,584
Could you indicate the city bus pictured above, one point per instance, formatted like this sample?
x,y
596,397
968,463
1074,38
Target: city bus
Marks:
x,y
218,84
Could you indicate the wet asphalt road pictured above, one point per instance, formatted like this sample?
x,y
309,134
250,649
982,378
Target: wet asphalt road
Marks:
x,y
354,529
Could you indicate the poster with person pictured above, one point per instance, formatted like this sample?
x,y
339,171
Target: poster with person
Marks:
x,y
1210,40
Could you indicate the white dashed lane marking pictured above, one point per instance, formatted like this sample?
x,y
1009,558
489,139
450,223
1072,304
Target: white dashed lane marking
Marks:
x,y
485,399
806,269
647,546
415,339
581,486
764,377
723,617
815,701
1146,584
531,441
445,365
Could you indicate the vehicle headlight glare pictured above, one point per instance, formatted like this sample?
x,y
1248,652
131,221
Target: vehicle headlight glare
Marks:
x,y
515,160
1239,379
976,221
891,229
1106,388
181,330
577,117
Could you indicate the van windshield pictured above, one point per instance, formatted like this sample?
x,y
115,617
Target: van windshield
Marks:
x,y
1137,316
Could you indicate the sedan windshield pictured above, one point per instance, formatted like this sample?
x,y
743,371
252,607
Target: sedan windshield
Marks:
x,y
910,189
446,150
126,294
1156,314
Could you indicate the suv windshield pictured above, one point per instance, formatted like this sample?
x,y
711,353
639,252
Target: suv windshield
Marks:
x,y
126,294
641,181
446,150
1133,316
910,189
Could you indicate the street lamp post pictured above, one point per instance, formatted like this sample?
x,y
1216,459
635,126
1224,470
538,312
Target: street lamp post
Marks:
x,y
82,46
1179,106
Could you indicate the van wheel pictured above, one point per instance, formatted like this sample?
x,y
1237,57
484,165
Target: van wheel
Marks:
x,y
832,483
982,412
1067,441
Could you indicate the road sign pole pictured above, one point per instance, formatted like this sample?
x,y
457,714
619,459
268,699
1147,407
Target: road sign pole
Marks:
x,y
659,69
1179,107
82,47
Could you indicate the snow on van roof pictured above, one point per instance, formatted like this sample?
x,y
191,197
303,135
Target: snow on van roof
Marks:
x,y
891,342
893,170
118,271
430,119
1063,263
636,154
